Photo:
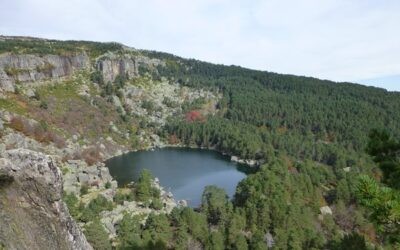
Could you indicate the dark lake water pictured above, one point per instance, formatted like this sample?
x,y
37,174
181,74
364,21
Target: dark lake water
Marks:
x,y
183,171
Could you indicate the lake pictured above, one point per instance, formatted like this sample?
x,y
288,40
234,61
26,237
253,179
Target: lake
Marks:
x,y
183,171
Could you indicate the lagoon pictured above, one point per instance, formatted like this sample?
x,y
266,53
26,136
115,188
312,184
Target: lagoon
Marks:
x,y
183,171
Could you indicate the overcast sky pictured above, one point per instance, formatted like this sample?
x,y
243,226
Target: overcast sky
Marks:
x,y
340,40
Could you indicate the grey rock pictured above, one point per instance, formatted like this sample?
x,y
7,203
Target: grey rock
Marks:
x,y
91,171
112,65
269,239
5,116
105,174
32,214
326,210
75,137
84,90
83,178
30,92
2,149
27,68
182,203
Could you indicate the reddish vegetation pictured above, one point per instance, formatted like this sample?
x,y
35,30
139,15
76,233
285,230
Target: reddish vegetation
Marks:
x,y
90,155
37,131
193,116
173,139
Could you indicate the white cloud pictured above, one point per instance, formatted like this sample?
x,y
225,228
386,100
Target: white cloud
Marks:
x,y
333,39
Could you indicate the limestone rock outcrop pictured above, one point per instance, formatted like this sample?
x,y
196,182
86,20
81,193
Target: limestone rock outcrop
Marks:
x,y
29,68
32,213
111,65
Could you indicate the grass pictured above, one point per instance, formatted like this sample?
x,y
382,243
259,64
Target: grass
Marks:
x,y
75,114
143,82
14,105
65,90
44,47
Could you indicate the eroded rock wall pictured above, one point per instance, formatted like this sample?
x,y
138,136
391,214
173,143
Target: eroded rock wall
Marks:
x,y
26,68
112,65
32,213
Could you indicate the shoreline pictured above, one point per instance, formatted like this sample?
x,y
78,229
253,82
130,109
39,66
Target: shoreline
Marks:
x,y
252,163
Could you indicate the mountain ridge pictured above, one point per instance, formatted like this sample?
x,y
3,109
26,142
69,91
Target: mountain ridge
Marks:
x,y
32,38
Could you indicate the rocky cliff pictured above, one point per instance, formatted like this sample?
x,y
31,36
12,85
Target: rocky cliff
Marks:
x,y
111,65
30,68
32,213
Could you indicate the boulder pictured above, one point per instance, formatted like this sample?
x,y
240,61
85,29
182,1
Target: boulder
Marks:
x,y
83,178
326,210
182,203
235,158
30,92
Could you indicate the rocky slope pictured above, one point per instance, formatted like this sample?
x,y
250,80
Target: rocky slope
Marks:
x,y
63,111
32,213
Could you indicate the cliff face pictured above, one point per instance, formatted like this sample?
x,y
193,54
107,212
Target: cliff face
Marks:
x,y
32,213
32,68
112,65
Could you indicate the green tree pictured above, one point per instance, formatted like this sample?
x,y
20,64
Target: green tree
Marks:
x,y
144,189
129,232
97,236
386,152
383,200
158,230
215,204
216,241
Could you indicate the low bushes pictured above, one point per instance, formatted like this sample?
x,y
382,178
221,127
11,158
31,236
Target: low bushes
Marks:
x,y
91,155
38,131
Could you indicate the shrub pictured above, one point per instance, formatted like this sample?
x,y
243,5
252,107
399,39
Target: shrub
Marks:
x,y
43,105
193,116
97,236
45,68
120,197
169,103
143,187
72,203
17,124
39,132
107,185
148,105
90,155
84,189
65,170
95,206
156,204
97,77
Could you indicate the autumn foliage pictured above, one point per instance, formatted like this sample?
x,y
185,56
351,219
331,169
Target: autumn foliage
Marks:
x,y
173,139
37,131
193,116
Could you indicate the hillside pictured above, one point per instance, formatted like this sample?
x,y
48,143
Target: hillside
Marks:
x,y
84,102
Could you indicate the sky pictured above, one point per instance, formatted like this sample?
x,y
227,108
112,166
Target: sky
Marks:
x,y
339,40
